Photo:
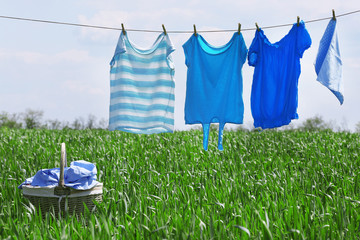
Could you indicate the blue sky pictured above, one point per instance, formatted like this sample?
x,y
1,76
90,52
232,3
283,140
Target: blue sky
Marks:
x,y
64,70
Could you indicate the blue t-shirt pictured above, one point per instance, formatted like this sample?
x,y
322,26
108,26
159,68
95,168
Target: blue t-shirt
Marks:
x,y
214,83
274,94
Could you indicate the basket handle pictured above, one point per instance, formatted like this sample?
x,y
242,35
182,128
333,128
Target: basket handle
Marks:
x,y
62,165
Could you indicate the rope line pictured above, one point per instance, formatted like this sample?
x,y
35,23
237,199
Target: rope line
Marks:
x,y
159,31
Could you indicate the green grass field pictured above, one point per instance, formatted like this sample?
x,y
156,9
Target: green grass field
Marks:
x,y
264,185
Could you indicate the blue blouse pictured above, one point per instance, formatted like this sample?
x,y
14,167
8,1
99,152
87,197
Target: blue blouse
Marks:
x,y
274,94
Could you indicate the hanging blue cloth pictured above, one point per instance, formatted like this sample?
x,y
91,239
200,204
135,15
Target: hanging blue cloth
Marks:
x,y
214,83
274,93
81,175
328,64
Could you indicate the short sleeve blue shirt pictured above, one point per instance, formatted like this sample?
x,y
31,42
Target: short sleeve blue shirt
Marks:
x,y
214,83
274,93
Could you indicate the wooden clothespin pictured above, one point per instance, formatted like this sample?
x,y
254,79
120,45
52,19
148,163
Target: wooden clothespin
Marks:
x,y
239,28
195,30
257,27
164,29
298,20
123,29
334,17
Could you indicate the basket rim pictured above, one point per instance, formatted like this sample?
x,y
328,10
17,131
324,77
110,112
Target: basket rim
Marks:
x,y
37,191
54,186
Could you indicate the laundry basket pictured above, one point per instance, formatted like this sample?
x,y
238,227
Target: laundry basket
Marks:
x,y
61,198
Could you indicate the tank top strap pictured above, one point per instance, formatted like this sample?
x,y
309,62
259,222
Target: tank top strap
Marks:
x,y
221,128
206,129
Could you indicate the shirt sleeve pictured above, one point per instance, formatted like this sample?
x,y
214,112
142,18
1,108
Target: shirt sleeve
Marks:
x,y
254,50
243,50
120,48
303,39
170,48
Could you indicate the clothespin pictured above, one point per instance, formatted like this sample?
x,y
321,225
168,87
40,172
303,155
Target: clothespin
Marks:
x,y
257,27
164,29
298,20
123,29
195,30
334,17
239,28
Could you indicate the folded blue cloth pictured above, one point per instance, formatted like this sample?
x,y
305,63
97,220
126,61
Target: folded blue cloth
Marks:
x,y
81,175
328,64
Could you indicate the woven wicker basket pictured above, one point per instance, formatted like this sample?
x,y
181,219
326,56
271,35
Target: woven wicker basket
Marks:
x,y
60,198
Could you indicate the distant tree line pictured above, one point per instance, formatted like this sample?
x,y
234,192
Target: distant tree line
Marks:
x,y
33,119
316,123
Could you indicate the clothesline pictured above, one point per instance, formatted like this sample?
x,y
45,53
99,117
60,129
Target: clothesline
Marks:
x,y
174,31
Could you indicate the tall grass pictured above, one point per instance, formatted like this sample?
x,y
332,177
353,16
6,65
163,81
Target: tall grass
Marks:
x,y
264,185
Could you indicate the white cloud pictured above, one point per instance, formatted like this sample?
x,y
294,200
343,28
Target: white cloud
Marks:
x,y
31,57
81,87
139,19
26,56
73,56
103,18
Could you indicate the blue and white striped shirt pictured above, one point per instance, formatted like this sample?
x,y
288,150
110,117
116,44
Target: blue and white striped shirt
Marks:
x,y
142,87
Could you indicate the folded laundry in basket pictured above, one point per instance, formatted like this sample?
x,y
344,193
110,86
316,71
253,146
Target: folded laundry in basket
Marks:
x,y
81,175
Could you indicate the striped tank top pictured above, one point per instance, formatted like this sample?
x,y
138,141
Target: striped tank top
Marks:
x,y
142,87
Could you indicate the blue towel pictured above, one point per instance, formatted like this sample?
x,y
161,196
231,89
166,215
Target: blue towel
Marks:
x,y
81,175
328,65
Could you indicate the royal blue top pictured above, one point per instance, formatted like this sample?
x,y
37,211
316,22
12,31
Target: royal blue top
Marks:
x,y
274,94
214,83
